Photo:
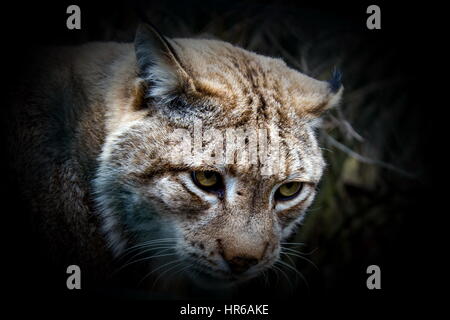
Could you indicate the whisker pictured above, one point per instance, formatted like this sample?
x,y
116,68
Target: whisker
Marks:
x,y
294,243
297,272
158,255
301,257
265,277
292,261
141,251
183,267
162,266
285,275
165,271
145,243
147,249
300,252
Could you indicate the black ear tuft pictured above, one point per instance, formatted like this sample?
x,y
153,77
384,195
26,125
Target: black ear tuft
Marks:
x,y
335,82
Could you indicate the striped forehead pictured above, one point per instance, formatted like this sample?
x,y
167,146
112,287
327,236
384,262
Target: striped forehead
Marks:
x,y
298,158
244,87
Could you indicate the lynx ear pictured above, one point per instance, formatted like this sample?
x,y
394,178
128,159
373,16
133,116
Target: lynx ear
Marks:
x,y
323,96
335,83
335,89
158,63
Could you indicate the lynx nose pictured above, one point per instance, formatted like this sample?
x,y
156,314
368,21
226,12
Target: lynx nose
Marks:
x,y
239,265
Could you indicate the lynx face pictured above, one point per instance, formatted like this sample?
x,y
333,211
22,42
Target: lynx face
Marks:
x,y
211,161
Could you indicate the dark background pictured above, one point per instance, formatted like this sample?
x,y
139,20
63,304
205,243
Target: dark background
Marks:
x,y
378,202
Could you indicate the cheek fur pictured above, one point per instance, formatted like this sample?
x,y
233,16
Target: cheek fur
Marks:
x,y
171,194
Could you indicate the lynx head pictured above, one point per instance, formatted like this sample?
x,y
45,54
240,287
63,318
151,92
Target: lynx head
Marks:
x,y
211,158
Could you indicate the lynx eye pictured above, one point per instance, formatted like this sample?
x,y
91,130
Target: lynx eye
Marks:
x,y
288,190
207,180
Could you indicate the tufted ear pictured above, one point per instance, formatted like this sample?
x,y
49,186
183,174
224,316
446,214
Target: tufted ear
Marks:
x,y
159,64
334,97
335,83
321,96
335,90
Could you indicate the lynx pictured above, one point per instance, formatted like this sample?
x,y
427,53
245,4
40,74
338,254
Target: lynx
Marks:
x,y
133,148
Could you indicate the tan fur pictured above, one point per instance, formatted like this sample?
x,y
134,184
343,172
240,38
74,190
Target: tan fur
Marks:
x,y
117,178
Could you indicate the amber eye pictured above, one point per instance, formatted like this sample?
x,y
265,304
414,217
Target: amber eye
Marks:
x,y
208,180
288,190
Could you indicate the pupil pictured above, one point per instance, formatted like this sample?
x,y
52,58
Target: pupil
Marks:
x,y
208,175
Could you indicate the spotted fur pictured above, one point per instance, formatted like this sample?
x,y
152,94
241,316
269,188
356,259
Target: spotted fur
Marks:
x,y
122,168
